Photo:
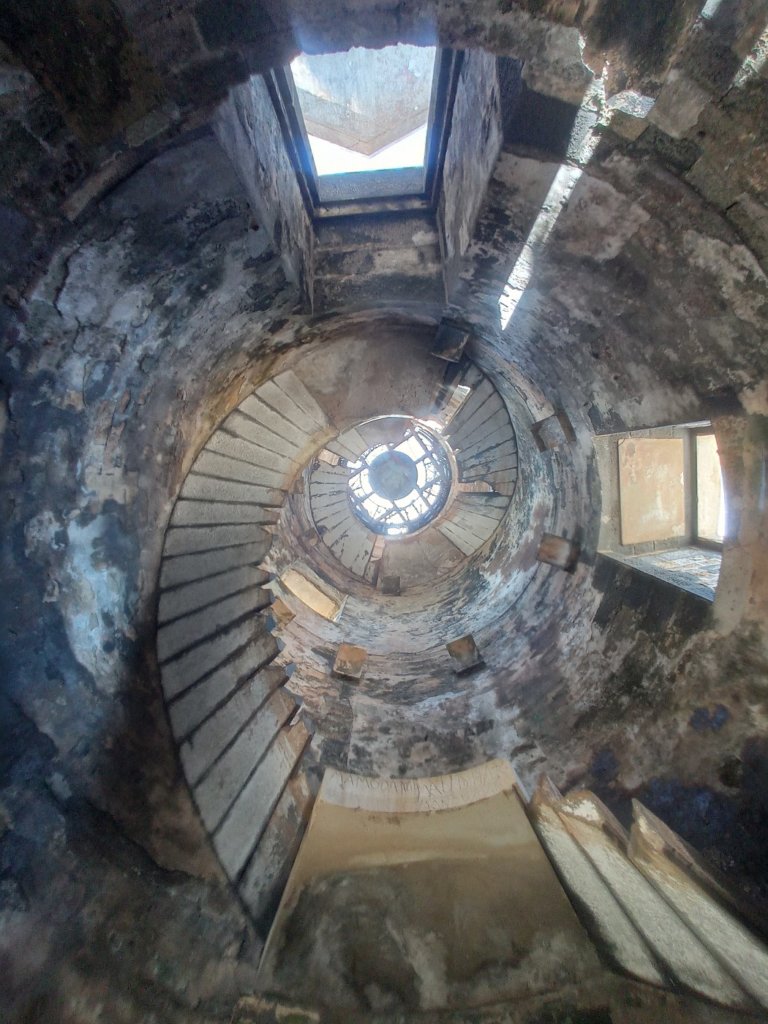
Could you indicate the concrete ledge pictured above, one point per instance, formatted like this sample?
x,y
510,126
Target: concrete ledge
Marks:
x,y
434,793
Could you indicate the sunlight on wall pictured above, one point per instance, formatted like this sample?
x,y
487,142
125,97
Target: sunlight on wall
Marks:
x,y
559,193
754,63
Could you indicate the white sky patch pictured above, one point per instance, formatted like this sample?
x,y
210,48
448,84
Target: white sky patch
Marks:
x,y
560,191
406,152
366,110
710,8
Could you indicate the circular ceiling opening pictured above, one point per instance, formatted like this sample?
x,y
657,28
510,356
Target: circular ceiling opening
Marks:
x,y
402,483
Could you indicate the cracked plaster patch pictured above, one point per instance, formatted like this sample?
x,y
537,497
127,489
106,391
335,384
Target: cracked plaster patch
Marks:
x,y
735,271
93,604
40,534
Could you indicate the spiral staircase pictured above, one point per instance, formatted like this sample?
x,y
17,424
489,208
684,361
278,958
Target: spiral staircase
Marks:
x,y
243,741
273,489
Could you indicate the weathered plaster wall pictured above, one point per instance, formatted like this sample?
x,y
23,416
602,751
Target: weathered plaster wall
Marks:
x,y
644,664
106,870
163,71
454,900
470,157
161,311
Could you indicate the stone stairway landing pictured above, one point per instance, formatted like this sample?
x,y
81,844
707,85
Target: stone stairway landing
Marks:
x,y
358,261
434,900
613,1001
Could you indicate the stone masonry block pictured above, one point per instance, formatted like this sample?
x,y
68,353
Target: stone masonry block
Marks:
x,y
465,654
450,342
558,551
390,585
350,661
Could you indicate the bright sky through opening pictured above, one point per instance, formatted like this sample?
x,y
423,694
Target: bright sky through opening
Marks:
x,y
366,110
332,159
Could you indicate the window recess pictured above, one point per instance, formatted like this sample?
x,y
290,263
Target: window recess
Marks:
x,y
664,504
366,130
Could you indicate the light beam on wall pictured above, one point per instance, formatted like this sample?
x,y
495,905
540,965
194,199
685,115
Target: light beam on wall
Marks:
x,y
754,62
581,148
559,193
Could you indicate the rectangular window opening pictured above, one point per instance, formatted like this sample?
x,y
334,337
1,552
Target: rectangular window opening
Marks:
x,y
664,505
366,114
710,495
367,127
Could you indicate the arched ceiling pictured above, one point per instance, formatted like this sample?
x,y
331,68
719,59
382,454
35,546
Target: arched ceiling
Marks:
x,y
146,294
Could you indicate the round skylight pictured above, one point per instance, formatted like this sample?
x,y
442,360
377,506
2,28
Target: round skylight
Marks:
x,y
401,484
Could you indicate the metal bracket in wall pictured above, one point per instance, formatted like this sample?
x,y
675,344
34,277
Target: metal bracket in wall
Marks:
x,y
450,342
553,431
558,551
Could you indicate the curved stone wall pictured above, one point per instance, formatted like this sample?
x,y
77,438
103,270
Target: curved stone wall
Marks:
x,y
236,724
144,296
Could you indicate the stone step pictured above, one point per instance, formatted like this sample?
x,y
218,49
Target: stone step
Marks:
x,y
211,463
350,445
189,668
620,938
660,856
279,394
498,456
490,433
189,540
191,629
655,921
466,538
252,664
221,786
224,443
220,513
206,488
261,413
291,385
210,740
187,568
473,411
241,829
478,526
267,871
191,596
684,955
350,543
480,505
407,230
248,429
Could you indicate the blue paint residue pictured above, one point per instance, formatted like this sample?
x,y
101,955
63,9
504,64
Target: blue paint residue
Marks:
x,y
700,815
604,766
714,719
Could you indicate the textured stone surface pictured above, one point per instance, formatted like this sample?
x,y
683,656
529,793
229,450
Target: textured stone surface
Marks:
x,y
247,127
133,850
140,305
420,866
